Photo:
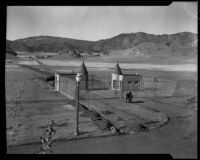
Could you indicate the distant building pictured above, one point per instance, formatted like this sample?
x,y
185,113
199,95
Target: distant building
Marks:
x,y
125,82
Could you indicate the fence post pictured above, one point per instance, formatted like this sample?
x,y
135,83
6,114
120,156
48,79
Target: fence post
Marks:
x,y
165,88
140,89
90,111
92,81
115,92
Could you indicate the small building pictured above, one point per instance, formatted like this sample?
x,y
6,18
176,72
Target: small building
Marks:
x,y
125,82
132,82
66,82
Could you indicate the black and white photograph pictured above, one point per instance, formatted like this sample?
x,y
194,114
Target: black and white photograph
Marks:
x,y
102,79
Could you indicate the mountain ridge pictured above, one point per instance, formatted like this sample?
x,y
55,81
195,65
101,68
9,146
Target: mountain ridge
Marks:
x,y
179,42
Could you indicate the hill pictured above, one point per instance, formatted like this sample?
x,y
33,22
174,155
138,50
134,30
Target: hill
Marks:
x,y
9,51
140,44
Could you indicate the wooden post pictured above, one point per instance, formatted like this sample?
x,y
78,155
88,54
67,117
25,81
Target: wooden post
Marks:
x,y
140,89
122,89
115,90
92,81
155,89
165,88
89,108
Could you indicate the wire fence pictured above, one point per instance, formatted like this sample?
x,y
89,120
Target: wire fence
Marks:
x,y
150,87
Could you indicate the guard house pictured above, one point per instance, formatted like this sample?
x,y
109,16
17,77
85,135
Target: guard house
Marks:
x,y
125,82
65,82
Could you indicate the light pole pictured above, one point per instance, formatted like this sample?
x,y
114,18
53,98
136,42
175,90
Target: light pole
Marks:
x,y
78,79
121,80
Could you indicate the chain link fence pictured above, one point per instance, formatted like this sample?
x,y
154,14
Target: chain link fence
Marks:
x,y
151,87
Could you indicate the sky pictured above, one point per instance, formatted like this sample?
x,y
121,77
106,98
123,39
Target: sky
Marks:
x,y
99,22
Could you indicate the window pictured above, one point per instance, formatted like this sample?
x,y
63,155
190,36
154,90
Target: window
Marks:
x,y
114,84
130,82
136,82
117,85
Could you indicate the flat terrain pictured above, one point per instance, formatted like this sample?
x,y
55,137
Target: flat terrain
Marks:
x,y
178,137
171,67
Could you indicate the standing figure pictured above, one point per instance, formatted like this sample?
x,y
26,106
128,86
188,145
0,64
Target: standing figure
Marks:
x,y
127,96
130,96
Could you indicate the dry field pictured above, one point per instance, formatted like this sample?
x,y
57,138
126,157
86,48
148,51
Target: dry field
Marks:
x,y
159,67
178,137
27,120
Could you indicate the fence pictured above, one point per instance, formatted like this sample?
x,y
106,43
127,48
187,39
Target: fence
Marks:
x,y
95,83
102,87
161,88
149,88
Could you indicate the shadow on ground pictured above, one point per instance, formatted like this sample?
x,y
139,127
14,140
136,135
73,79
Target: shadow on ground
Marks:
x,y
137,102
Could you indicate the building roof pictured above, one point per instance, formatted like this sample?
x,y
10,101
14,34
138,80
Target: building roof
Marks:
x,y
117,69
83,69
65,73
132,75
